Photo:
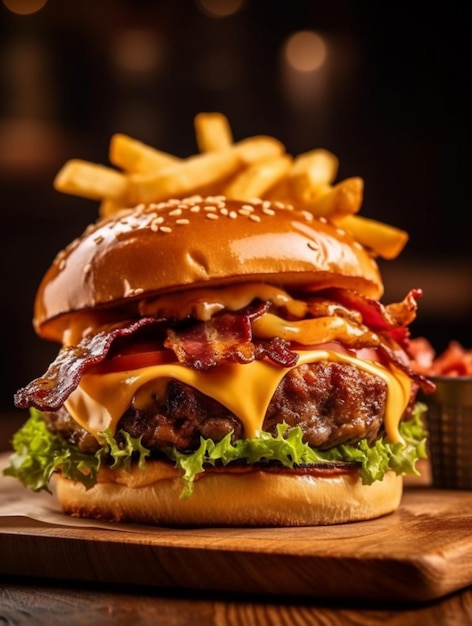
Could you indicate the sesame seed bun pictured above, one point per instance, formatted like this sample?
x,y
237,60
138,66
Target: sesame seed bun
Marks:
x,y
195,242
257,498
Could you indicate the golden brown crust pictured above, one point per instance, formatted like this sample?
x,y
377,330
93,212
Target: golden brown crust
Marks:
x,y
198,242
227,499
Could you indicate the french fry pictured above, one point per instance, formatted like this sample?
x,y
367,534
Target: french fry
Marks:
x,y
90,180
311,170
280,192
110,207
258,148
344,198
385,240
255,167
183,178
135,156
257,179
213,132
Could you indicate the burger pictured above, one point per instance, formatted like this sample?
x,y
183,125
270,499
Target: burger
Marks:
x,y
221,363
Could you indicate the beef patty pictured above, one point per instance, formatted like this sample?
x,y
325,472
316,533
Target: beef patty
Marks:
x,y
333,403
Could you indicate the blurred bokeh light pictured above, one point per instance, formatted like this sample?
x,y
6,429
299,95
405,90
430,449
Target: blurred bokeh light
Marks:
x,y
24,7
305,51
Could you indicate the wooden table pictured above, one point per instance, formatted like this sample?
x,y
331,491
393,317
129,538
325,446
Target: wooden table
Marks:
x,y
26,603
36,599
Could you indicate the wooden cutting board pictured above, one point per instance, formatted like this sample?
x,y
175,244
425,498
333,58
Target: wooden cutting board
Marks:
x,y
421,552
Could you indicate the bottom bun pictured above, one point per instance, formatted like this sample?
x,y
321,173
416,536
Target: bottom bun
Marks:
x,y
225,499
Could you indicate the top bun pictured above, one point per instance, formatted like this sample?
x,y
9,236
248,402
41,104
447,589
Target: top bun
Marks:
x,y
197,242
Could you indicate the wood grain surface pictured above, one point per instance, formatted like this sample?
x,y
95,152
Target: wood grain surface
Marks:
x,y
420,553
56,605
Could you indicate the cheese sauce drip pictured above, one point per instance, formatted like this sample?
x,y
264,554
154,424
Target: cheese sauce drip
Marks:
x,y
204,303
201,304
101,399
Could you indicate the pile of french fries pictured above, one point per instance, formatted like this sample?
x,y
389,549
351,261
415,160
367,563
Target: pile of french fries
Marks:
x,y
256,167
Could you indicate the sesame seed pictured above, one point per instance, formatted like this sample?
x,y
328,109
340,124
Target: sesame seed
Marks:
x,y
166,229
212,216
255,218
244,212
193,199
182,222
148,221
233,215
175,212
248,207
280,205
340,231
155,223
224,211
268,211
209,208
195,209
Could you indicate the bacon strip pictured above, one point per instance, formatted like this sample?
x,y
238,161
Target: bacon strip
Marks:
x,y
392,318
391,322
278,351
203,345
226,337
49,392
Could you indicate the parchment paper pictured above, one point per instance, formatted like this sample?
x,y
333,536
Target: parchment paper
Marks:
x,y
18,502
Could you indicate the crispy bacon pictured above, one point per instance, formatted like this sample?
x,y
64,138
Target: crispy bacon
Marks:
x,y
204,345
455,360
49,392
391,322
399,358
392,318
278,351
225,337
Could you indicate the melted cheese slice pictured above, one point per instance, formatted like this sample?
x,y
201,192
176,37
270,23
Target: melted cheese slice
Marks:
x,y
101,399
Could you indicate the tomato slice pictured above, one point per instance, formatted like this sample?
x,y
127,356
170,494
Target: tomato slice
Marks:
x,y
136,360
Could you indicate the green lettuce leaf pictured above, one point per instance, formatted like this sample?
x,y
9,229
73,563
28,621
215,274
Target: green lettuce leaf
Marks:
x,y
288,449
38,454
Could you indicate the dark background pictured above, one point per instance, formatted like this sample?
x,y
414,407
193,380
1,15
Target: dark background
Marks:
x,y
391,102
